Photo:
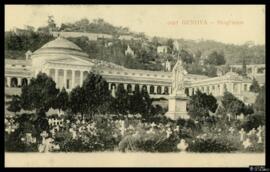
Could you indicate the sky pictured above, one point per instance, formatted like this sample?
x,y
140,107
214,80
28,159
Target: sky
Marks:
x,y
234,24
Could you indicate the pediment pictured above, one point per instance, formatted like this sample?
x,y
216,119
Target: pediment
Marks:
x,y
71,61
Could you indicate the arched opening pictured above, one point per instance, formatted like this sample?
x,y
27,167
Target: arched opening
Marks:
x,y
129,88
14,82
186,91
121,86
166,90
69,79
144,88
225,87
158,89
207,90
113,86
24,82
137,88
234,88
152,89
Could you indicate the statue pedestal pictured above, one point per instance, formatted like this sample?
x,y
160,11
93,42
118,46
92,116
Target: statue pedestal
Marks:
x,y
177,107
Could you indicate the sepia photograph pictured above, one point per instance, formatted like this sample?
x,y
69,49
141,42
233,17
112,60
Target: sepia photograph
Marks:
x,y
134,85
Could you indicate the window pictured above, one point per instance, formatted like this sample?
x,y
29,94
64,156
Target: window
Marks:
x,y
260,70
245,87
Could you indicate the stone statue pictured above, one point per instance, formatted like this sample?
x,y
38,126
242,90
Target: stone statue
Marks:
x,y
178,78
178,99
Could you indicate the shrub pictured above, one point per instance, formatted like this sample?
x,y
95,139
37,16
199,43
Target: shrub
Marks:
x,y
253,121
211,145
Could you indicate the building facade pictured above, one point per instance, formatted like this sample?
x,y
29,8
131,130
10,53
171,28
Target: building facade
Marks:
x,y
68,66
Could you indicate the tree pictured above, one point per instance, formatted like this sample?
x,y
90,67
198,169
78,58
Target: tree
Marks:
x,y
216,58
235,106
254,87
259,104
96,93
78,101
244,68
121,101
15,104
200,104
155,41
170,45
40,94
186,56
62,100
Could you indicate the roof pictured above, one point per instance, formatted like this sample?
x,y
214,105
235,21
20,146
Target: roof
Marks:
x,y
61,43
17,62
60,46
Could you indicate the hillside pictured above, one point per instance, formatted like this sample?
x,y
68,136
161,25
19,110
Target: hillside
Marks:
x,y
145,49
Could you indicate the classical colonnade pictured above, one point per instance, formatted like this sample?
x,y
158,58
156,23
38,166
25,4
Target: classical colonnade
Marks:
x,y
218,89
69,79
15,81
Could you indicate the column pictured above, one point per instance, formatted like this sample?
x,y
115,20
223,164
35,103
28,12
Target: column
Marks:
x,y
231,87
8,81
109,85
239,89
190,91
73,79
155,89
132,87
140,87
221,90
162,89
65,78
81,78
56,76
148,88
36,73
170,90
19,82
216,90
28,81
125,86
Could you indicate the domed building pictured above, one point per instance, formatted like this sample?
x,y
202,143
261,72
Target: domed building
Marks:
x,y
68,66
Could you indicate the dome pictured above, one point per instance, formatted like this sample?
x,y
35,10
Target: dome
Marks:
x,y
60,46
61,43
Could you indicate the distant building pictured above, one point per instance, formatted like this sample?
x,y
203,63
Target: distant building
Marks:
x,y
176,45
19,31
108,44
162,49
28,55
202,60
219,72
129,51
168,66
254,70
90,36
68,66
127,37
